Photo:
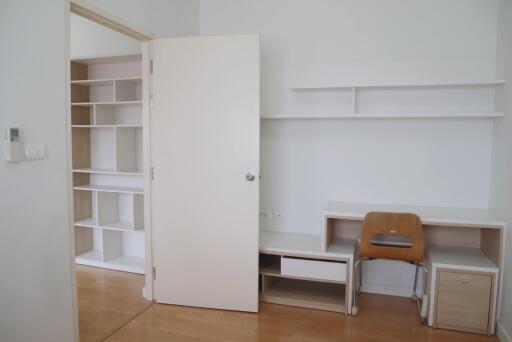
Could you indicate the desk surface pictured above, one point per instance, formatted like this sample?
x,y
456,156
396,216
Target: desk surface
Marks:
x,y
462,217
304,245
464,257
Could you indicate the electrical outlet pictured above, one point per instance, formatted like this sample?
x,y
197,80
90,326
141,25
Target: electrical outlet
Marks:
x,y
277,215
263,214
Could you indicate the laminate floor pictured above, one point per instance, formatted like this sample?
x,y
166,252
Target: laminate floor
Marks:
x,y
107,300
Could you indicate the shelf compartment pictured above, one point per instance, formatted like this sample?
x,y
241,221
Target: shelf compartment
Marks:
x,y
108,67
303,293
84,203
123,251
128,149
88,245
92,92
93,148
120,211
270,264
82,116
128,89
118,114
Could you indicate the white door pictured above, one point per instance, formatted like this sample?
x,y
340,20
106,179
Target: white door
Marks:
x,y
205,154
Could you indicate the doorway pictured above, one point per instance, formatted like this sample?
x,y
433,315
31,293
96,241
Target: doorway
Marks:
x,y
111,236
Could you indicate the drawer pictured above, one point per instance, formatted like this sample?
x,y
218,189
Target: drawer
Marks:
x,y
314,269
463,301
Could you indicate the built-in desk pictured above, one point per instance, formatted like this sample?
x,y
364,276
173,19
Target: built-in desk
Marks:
x,y
461,240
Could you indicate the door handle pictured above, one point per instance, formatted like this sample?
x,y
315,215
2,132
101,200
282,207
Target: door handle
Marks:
x,y
249,176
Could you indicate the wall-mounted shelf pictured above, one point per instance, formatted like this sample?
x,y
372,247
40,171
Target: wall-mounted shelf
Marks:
x,y
388,116
403,85
421,100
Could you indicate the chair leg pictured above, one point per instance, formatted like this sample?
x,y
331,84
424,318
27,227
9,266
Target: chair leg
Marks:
x,y
357,290
421,301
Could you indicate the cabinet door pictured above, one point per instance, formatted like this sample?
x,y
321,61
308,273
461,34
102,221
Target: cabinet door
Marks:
x,y
205,153
463,301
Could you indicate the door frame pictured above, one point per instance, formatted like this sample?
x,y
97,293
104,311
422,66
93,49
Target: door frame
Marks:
x,y
104,18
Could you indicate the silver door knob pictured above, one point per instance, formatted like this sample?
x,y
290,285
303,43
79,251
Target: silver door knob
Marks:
x,y
249,177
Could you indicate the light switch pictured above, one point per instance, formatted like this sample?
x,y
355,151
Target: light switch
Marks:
x,y
35,152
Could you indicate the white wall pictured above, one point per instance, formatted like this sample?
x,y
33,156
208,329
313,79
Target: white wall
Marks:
x,y
501,186
307,163
304,164
35,268
162,17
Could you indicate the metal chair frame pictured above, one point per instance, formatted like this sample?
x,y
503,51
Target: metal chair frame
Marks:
x,y
419,300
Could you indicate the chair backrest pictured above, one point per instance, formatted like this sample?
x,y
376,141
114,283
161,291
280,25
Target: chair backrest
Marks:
x,y
394,236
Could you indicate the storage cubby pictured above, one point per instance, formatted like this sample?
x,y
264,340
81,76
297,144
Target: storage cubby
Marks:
x,y
120,211
128,90
270,263
126,114
123,251
85,213
82,115
109,67
92,91
88,246
128,149
304,293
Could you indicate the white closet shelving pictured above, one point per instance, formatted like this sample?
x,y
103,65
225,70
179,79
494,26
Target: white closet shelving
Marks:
x,y
106,121
422,100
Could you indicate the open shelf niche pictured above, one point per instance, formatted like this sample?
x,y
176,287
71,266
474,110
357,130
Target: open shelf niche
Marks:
x,y
106,120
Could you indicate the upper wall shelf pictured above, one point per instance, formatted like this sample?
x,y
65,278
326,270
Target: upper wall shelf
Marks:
x,y
402,85
389,116
474,99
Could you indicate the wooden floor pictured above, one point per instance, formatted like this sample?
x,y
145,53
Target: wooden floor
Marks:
x,y
107,300
381,318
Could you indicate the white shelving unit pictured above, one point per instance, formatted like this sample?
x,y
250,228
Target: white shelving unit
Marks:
x,y
422,100
106,121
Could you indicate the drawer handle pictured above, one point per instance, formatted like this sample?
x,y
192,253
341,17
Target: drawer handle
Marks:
x,y
465,281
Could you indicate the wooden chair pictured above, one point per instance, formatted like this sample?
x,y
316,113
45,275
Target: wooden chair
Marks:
x,y
394,236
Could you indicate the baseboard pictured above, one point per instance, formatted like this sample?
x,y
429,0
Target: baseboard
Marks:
x,y
503,334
